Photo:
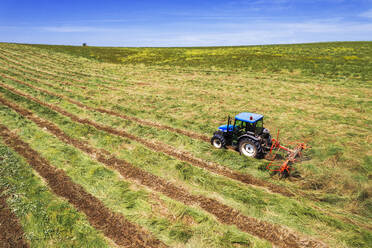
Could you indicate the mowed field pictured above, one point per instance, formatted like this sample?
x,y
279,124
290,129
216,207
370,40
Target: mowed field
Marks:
x,y
109,147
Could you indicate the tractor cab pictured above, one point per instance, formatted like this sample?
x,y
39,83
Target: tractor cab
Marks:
x,y
244,122
245,132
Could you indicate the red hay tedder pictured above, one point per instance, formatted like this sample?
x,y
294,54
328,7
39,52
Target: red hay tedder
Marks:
x,y
284,168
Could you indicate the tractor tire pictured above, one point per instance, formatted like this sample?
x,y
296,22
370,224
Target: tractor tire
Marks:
x,y
250,148
218,141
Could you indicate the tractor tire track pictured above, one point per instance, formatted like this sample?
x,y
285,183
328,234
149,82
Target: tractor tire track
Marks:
x,y
113,225
11,232
153,145
274,233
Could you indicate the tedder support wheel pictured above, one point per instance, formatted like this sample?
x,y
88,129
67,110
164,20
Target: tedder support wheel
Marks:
x,y
249,148
218,141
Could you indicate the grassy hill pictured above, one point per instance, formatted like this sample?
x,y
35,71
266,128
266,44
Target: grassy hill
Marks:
x,y
337,60
125,132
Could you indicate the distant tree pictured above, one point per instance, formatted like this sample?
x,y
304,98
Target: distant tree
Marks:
x,y
84,44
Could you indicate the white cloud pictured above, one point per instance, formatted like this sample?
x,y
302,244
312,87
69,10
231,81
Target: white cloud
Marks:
x,y
248,32
75,29
367,14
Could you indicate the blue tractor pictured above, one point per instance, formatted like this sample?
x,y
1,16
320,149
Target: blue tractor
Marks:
x,y
247,135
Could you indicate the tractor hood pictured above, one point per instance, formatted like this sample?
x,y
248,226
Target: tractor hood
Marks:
x,y
223,128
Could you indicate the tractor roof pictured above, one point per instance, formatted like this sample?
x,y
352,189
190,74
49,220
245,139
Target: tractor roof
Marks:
x,y
248,117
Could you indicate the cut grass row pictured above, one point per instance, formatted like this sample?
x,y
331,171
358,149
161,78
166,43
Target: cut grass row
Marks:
x,y
225,214
76,65
120,195
299,207
55,71
47,62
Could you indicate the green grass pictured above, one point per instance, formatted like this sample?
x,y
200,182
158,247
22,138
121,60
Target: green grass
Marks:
x,y
335,60
46,219
331,161
121,196
317,93
250,201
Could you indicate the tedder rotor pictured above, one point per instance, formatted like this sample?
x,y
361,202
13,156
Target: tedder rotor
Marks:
x,y
284,168
247,135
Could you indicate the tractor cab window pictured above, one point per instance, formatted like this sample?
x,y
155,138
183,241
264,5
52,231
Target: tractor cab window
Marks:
x,y
259,126
250,127
239,125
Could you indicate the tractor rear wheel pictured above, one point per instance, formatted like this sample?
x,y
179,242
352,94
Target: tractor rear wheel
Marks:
x,y
249,148
218,141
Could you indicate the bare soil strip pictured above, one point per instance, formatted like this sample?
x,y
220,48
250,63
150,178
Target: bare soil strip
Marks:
x,y
274,233
113,225
11,232
155,145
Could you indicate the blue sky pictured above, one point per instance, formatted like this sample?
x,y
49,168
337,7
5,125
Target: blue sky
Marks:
x,y
184,23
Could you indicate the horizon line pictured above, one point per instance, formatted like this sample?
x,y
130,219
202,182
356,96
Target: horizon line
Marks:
x,y
206,46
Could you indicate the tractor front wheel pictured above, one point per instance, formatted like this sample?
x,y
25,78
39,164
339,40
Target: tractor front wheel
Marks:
x,y
249,148
218,141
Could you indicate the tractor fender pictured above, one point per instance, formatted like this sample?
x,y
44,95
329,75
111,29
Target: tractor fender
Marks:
x,y
248,136
219,132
